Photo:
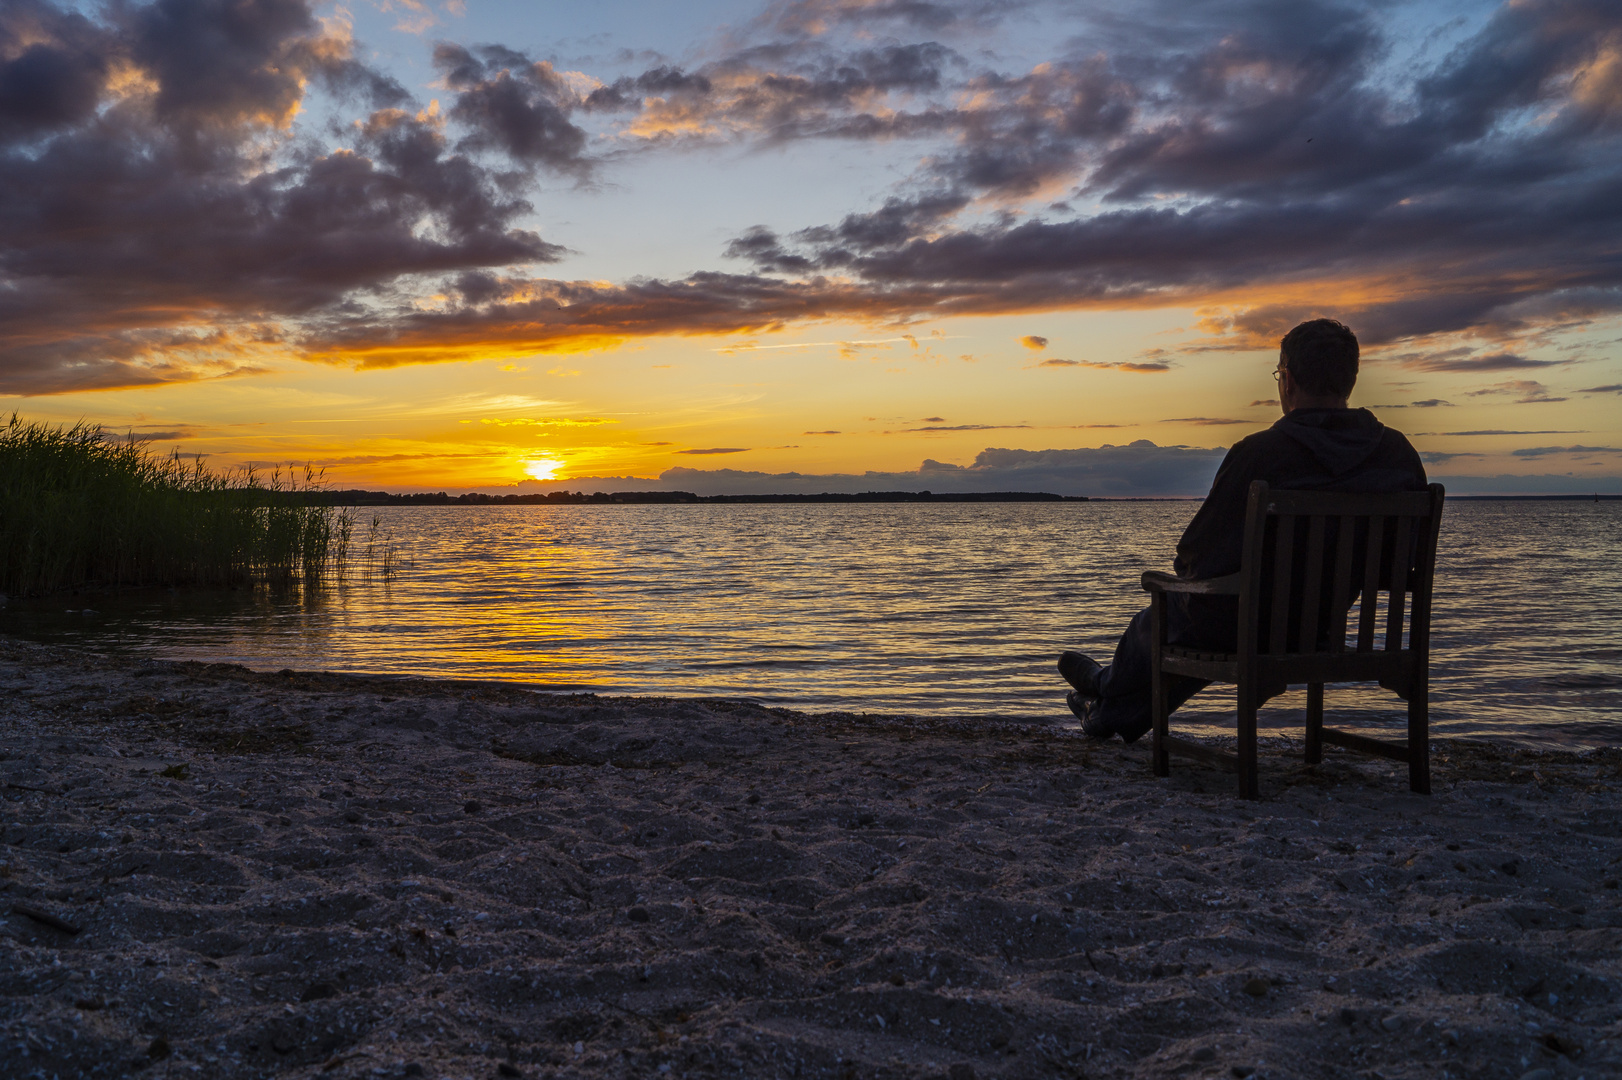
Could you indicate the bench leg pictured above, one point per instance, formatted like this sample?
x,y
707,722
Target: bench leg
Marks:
x,y
1249,788
1315,723
1160,761
1419,737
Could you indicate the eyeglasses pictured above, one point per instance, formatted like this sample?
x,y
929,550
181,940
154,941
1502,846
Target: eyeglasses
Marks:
x,y
1278,374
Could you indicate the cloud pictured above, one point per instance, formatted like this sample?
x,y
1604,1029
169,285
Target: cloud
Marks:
x,y
592,421
1492,362
1032,341
513,104
717,450
173,212
1143,368
785,90
814,17
166,224
1438,457
1429,403
1544,451
967,427
1271,402
1204,421
1611,388
1466,192
1525,392
822,433
1537,484
1497,431
163,436
1137,469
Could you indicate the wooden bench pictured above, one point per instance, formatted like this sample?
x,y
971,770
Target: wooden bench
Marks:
x,y
1308,558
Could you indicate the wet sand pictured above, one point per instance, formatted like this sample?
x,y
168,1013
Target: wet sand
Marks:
x,y
302,875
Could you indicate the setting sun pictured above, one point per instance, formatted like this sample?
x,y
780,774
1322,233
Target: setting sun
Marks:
x,y
542,468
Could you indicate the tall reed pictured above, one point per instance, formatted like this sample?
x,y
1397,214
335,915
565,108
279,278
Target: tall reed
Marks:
x,y
81,508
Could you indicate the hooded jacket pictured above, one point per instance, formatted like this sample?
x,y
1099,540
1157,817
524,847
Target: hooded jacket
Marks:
x,y
1307,450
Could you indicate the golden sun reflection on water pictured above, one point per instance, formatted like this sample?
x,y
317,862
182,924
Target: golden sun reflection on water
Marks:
x,y
938,609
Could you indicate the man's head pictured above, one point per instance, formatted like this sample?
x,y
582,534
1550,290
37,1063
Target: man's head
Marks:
x,y
1317,364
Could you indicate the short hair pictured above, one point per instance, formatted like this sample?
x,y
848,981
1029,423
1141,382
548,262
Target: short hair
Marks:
x,y
1321,356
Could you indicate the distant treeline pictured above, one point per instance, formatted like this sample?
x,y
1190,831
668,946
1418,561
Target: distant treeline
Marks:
x,y
355,497
1534,498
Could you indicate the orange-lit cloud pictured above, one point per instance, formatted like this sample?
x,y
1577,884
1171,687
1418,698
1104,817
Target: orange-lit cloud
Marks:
x,y
171,215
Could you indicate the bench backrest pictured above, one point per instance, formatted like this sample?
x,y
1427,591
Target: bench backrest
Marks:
x,y
1310,555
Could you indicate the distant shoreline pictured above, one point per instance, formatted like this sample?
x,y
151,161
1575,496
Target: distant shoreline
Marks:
x,y
575,498
356,497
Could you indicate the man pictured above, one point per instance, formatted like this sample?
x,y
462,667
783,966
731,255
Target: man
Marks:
x,y
1320,445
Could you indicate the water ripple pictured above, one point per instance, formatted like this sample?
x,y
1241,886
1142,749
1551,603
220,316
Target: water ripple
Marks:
x,y
946,609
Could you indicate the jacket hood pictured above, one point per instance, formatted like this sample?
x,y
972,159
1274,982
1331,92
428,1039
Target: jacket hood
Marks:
x,y
1340,439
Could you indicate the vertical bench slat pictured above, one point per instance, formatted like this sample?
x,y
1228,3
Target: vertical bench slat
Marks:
x,y
1276,641
1341,574
1312,584
1400,558
1371,585
1283,556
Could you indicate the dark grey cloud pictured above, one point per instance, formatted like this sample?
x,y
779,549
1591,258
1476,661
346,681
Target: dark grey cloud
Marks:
x,y
1539,484
967,427
168,228
1152,367
1204,421
513,104
1491,362
1545,451
717,450
1612,388
53,73
1139,468
813,17
786,90
1278,150
171,226
1498,431
1524,391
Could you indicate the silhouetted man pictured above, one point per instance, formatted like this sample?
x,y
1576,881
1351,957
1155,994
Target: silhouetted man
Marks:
x,y
1319,445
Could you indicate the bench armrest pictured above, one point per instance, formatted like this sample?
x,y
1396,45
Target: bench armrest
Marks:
x,y
1157,581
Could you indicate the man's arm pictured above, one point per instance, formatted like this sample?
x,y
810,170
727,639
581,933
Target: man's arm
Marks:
x,y
1213,544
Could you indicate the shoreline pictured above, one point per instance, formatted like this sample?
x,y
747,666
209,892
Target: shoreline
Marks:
x,y
348,876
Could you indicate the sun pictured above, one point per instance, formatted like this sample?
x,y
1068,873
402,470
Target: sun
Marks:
x,y
542,468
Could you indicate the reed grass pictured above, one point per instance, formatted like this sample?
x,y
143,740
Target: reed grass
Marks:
x,y
81,508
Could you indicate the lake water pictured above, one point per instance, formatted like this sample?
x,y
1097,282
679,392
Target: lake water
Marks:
x,y
956,609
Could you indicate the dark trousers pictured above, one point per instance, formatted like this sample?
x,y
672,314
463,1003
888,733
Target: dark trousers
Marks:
x,y
1126,687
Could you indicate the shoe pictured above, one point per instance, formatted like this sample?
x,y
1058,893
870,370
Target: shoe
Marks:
x,y
1136,732
1080,672
1087,711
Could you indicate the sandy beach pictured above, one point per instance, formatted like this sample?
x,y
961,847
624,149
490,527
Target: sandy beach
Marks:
x,y
214,872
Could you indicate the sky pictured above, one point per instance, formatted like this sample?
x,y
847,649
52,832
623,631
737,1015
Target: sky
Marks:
x,y
814,244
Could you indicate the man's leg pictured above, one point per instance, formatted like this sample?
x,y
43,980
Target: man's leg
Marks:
x,y
1125,687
